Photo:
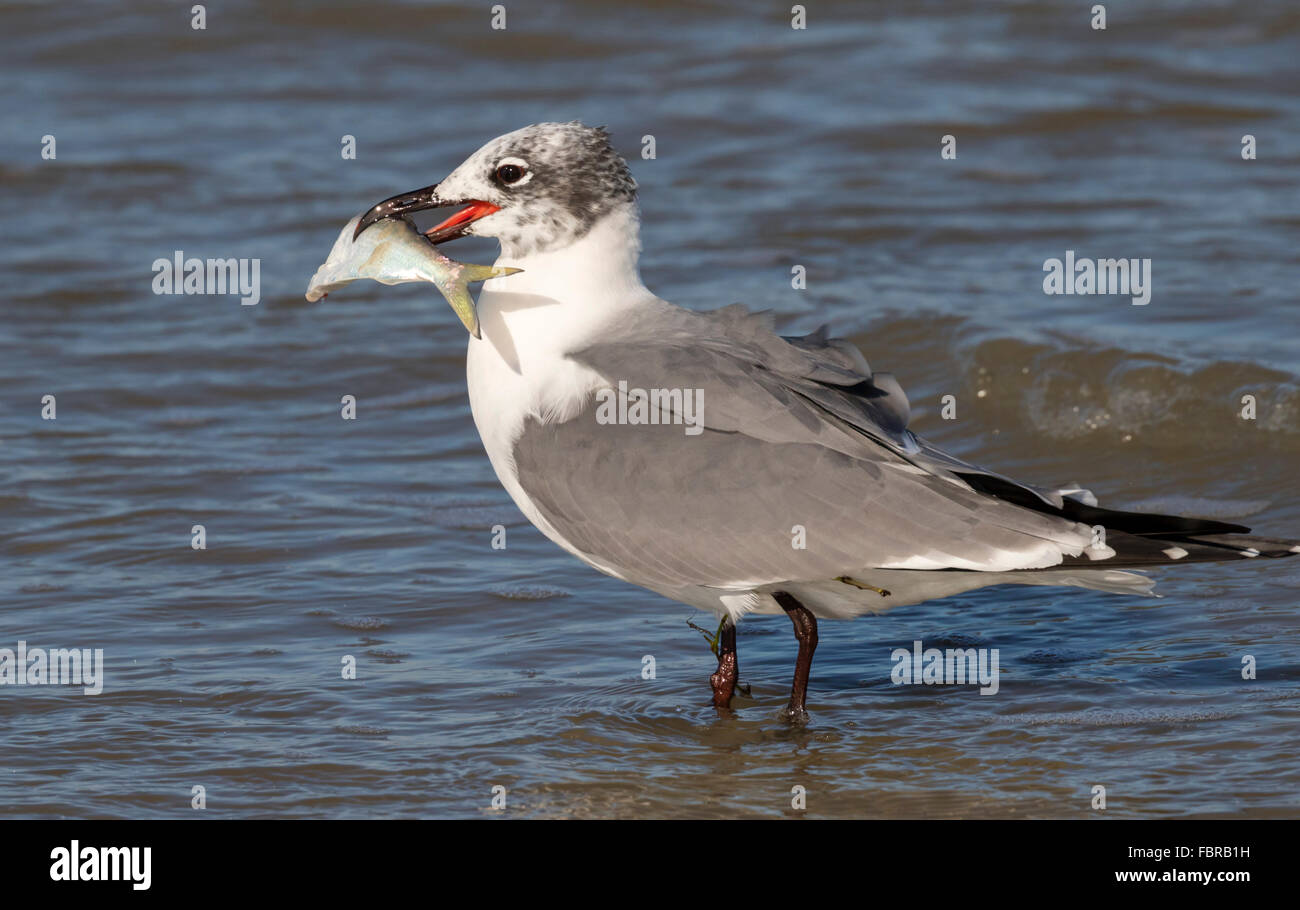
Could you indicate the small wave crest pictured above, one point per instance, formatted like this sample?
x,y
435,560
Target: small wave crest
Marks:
x,y
1071,394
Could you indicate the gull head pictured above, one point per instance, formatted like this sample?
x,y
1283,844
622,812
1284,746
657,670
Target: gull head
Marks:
x,y
538,189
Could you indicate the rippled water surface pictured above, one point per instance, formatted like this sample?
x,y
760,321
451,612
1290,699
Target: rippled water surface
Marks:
x,y
522,667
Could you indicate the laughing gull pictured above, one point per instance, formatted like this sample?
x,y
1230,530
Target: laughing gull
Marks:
x,y
706,458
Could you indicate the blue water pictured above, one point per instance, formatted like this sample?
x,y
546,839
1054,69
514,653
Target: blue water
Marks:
x,y
521,667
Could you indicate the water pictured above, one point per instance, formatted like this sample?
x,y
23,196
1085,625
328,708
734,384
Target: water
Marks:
x,y
521,667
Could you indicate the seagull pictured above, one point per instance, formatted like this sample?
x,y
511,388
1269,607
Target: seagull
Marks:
x,y
794,486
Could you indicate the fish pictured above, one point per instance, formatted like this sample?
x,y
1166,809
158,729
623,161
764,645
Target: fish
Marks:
x,y
393,251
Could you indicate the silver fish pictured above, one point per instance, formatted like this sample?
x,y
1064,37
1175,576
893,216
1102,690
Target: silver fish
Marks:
x,y
393,251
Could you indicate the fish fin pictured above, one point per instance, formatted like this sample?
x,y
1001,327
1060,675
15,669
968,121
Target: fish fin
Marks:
x,y
472,273
462,303
459,297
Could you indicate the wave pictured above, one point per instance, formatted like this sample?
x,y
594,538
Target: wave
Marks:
x,y
1065,389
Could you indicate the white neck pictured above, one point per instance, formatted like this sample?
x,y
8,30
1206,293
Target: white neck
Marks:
x,y
562,297
531,321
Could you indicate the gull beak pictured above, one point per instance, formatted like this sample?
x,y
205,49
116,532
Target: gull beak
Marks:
x,y
399,205
428,198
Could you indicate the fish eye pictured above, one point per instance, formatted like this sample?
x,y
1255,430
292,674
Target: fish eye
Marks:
x,y
512,171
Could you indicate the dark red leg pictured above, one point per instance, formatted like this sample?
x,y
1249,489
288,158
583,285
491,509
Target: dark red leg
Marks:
x,y
805,632
724,680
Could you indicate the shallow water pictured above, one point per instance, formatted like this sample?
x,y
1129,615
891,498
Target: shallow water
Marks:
x,y
521,667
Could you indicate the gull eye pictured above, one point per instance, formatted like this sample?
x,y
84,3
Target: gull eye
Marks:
x,y
510,173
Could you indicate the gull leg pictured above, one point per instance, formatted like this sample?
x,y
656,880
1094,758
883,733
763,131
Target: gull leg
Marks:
x,y
862,586
805,632
724,680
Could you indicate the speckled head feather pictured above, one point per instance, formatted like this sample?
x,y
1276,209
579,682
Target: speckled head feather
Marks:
x,y
566,177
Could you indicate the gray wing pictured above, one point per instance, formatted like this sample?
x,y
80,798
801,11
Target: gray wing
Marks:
x,y
800,442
